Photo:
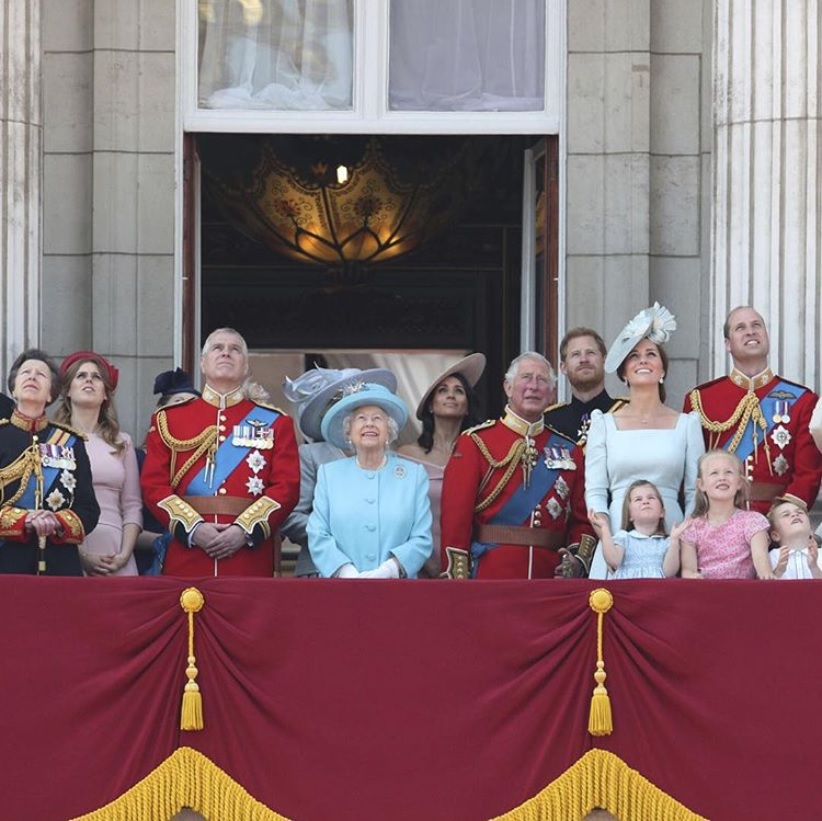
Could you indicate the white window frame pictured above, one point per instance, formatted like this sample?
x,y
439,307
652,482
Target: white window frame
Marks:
x,y
370,113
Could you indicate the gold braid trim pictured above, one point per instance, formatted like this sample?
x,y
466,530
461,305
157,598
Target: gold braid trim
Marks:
x,y
202,442
600,779
185,779
748,408
511,459
21,468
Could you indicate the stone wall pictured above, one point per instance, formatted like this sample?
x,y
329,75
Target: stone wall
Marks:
x,y
108,204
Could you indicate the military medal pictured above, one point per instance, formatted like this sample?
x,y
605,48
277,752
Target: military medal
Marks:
x,y
781,436
58,456
256,461
780,465
781,411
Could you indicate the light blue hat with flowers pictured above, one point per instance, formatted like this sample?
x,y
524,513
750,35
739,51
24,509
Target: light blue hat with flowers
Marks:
x,y
358,395
656,323
319,389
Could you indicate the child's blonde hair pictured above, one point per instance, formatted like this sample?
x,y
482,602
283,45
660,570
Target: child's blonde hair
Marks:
x,y
701,502
626,506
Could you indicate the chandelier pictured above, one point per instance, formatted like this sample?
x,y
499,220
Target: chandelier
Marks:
x,y
338,201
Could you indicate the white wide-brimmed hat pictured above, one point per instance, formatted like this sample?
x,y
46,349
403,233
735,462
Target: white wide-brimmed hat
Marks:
x,y
471,367
356,396
655,323
318,389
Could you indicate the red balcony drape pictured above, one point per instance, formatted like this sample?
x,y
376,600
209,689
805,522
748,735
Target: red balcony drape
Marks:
x,y
410,700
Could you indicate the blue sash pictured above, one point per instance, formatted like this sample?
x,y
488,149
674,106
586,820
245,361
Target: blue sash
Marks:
x,y
229,456
781,392
524,499
58,437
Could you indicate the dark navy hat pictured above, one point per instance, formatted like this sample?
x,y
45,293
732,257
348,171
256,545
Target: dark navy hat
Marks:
x,y
176,381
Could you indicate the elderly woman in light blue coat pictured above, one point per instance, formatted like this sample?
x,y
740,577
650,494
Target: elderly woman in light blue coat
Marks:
x,y
371,515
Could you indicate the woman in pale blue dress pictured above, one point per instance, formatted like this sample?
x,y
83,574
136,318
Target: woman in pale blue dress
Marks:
x,y
643,439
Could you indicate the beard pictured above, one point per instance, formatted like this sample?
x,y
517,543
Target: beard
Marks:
x,y
586,380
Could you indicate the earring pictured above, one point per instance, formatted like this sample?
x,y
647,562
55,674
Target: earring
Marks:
x,y
661,380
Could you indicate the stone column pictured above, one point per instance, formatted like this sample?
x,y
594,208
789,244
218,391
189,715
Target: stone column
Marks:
x,y
767,225
20,174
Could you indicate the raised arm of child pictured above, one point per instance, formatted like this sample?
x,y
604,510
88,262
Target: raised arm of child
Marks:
x,y
671,559
781,565
759,553
690,562
612,552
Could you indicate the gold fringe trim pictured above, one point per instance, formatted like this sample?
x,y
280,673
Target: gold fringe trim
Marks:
x,y
185,779
191,714
600,721
600,780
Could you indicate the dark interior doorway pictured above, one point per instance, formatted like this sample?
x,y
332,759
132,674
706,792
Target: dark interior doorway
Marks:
x,y
458,290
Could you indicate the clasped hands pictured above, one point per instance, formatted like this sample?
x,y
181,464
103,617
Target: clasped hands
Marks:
x,y
43,523
219,541
389,569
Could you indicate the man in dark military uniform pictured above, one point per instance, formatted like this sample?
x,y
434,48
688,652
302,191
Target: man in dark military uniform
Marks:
x,y
582,357
760,416
221,471
513,496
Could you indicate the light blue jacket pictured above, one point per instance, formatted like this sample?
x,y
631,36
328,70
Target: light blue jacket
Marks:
x,y
365,516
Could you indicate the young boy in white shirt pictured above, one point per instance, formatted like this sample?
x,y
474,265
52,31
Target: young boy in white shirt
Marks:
x,y
797,556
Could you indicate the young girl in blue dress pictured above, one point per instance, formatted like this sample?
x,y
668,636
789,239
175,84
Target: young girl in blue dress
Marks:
x,y
641,549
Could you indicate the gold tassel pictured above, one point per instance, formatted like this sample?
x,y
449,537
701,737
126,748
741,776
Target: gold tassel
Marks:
x,y
600,721
191,715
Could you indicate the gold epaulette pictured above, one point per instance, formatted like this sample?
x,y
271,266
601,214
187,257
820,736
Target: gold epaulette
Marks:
x,y
267,406
619,402
69,429
482,425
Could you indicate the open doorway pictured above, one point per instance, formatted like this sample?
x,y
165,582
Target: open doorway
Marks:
x,y
458,289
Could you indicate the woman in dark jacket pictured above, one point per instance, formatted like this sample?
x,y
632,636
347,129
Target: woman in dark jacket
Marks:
x,y
47,502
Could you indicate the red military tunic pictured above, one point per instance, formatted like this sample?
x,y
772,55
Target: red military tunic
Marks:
x,y
235,464
765,421
487,465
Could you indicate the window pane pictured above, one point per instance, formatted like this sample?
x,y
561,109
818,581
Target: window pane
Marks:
x,y
467,55
275,54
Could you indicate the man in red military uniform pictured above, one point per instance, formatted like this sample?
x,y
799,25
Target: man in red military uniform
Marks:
x,y
513,492
221,471
760,416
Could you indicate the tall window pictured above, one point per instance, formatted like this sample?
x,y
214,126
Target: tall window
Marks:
x,y
282,55
372,65
467,55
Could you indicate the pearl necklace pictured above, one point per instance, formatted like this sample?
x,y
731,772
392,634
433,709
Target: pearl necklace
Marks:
x,y
379,467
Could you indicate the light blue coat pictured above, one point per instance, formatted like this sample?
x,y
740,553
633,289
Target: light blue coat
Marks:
x,y
365,516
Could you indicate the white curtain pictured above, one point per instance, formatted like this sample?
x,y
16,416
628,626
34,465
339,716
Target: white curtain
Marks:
x,y
445,55
467,55
275,54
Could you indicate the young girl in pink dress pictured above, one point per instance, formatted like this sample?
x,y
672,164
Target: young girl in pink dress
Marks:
x,y
722,540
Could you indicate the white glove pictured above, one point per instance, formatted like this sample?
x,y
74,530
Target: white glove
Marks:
x,y
389,569
348,571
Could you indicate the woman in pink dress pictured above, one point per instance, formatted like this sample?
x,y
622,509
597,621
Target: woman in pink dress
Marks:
x,y
447,408
87,385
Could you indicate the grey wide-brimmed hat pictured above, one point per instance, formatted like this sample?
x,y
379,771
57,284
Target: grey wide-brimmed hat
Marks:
x,y
318,389
356,396
471,367
655,323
